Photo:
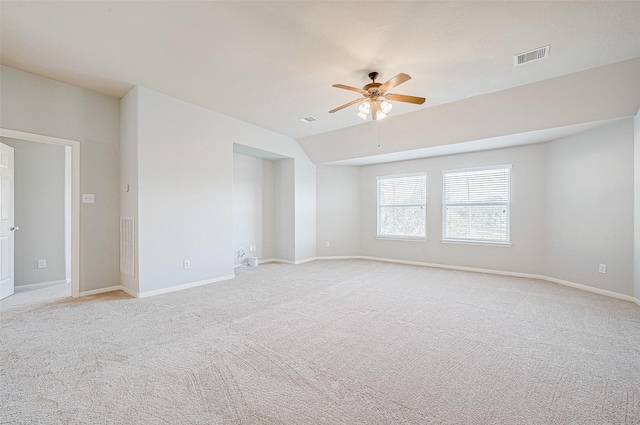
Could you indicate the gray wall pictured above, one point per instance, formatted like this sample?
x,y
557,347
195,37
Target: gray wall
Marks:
x,y
253,209
129,176
39,184
338,201
181,156
597,94
571,209
39,105
285,209
636,204
527,212
185,194
589,208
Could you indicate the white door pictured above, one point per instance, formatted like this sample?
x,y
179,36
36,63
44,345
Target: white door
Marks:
x,y
7,228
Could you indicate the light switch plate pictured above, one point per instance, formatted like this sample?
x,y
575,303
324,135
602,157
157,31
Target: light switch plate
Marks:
x,y
88,198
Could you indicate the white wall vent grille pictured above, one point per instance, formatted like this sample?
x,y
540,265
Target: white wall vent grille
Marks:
x,y
127,246
530,56
308,119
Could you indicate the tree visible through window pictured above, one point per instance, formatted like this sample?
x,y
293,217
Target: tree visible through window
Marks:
x,y
402,206
476,204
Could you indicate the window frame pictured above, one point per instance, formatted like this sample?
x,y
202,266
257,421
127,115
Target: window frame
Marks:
x,y
469,241
421,238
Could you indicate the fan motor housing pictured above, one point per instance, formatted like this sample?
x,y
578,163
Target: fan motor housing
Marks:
x,y
372,88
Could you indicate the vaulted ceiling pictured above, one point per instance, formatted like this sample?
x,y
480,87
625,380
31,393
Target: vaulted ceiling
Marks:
x,y
271,62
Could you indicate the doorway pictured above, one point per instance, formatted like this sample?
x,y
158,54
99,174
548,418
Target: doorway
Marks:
x,y
71,151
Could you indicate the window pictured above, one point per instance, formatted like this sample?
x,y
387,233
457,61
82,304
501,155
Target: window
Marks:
x,y
402,206
476,204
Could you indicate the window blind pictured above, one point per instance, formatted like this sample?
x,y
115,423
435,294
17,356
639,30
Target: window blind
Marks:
x,y
402,206
476,204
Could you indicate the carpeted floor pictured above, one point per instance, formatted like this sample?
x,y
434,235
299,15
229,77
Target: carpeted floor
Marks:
x,y
31,294
327,342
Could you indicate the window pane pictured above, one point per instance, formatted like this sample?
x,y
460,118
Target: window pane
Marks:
x,y
476,204
402,190
478,222
477,186
402,221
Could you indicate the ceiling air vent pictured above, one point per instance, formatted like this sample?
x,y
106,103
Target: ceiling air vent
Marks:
x,y
530,56
308,119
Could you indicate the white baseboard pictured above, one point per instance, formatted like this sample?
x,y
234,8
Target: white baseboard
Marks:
x,y
599,291
268,260
155,292
276,260
591,289
587,288
183,286
280,260
103,290
131,292
32,286
306,260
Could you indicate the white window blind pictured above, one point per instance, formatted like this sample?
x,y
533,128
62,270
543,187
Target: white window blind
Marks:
x,y
476,204
402,206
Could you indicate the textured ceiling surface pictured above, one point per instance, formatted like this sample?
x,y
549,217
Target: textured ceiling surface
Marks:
x,y
270,63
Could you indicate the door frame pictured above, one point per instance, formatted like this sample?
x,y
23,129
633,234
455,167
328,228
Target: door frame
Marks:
x,y
75,195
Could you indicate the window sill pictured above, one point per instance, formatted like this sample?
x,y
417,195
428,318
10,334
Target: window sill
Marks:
x,y
384,238
480,243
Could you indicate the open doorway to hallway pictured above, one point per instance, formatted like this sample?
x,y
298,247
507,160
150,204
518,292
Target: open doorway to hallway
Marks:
x,y
42,211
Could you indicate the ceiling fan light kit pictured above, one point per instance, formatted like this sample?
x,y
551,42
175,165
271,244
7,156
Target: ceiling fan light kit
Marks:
x,y
376,99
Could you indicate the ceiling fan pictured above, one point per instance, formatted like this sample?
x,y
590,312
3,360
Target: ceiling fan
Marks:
x,y
376,99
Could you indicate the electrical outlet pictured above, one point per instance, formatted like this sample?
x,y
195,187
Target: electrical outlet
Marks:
x,y
602,268
424,250
42,264
252,248
327,244
88,198
186,264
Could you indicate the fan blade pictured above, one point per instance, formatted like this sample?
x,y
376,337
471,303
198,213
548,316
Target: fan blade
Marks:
x,y
395,81
345,105
342,86
405,98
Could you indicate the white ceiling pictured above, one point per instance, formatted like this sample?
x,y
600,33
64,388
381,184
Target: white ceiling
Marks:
x,y
270,63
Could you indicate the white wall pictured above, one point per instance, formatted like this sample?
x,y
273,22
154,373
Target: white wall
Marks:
x,y
596,94
589,208
185,193
129,106
253,210
305,209
636,204
184,156
68,193
527,212
338,210
39,105
39,184
571,209
284,207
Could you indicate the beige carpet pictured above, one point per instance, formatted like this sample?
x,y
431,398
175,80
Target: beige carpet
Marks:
x,y
327,342
31,294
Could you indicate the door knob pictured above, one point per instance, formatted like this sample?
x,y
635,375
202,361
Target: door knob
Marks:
x,y
14,228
